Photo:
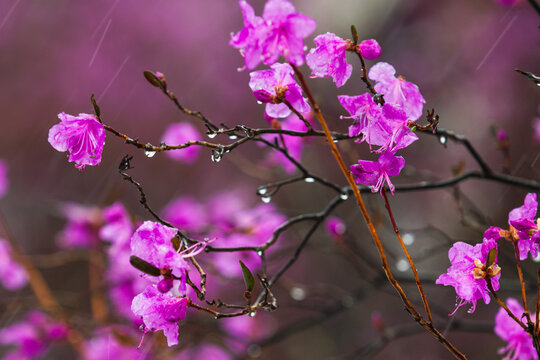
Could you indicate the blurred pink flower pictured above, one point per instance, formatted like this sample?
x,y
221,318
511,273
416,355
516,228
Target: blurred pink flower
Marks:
x,y
375,173
180,133
83,136
12,275
81,230
107,344
268,85
118,227
520,344
203,352
32,336
335,227
397,91
186,213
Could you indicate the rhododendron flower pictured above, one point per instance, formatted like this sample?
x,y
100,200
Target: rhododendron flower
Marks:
x,y
375,173
82,228
118,227
280,31
468,272
180,133
107,345
335,227
3,178
523,227
246,330
32,336
83,136
385,126
520,344
12,275
152,242
293,144
270,85
160,311
329,58
370,49
186,213
396,90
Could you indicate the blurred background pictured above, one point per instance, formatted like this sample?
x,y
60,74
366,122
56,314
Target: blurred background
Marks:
x,y
462,55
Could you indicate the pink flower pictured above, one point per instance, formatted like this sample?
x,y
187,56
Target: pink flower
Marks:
x,y
180,133
160,311
280,31
186,213
293,144
370,49
385,126
12,275
118,227
82,228
32,336
107,344
152,242
3,178
269,85
397,91
329,58
468,272
523,220
335,227
83,136
520,345
375,173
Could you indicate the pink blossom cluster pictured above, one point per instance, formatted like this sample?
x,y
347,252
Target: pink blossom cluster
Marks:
x,y
12,275
520,344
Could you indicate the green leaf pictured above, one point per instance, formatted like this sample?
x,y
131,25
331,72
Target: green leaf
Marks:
x,y
97,110
153,79
413,129
354,34
248,277
492,255
143,266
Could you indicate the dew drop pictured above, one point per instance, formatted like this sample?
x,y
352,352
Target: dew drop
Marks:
x,y
211,135
335,141
266,199
254,351
297,293
305,48
402,265
233,137
344,196
262,191
260,253
149,153
442,140
252,314
239,69
259,102
408,239
309,179
216,156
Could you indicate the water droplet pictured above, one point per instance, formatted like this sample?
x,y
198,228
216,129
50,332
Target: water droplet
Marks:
x,y
266,199
259,102
149,153
252,314
442,140
297,293
402,265
233,137
260,253
408,239
216,156
309,179
344,196
254,351
262,191
336,141
239,69
211,135
305,47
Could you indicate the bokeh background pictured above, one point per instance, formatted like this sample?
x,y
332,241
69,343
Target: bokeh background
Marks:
x,y
462,54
